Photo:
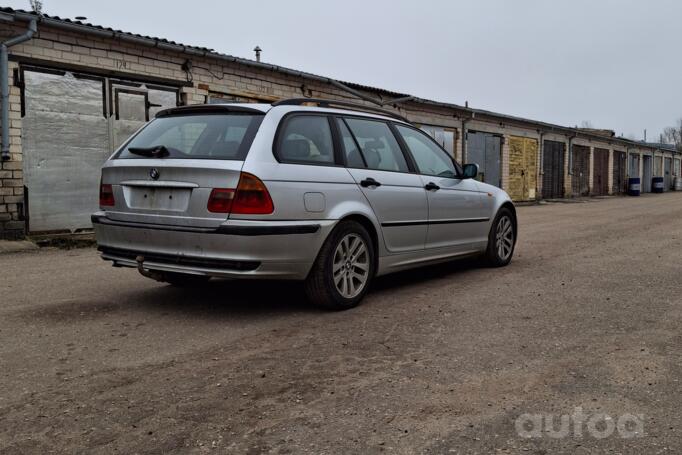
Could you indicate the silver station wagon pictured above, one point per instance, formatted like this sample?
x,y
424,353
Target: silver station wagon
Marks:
x,y
326,192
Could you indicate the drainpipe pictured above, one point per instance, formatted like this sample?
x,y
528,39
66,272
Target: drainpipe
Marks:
x,y
4,82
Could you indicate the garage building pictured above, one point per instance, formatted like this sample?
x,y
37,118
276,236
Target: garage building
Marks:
x,y
77,90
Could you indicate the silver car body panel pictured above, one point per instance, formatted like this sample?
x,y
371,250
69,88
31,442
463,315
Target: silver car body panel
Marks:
x,y
168,218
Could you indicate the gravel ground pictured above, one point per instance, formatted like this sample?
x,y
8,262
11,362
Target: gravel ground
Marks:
x,y
440,360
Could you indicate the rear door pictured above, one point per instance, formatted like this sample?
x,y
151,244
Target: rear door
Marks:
x,y
456,216
204,151
395,194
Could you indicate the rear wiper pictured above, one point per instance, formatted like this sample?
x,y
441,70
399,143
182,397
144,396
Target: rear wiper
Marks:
x,y
158,151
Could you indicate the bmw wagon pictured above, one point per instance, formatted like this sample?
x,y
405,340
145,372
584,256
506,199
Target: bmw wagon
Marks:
x,y
329,193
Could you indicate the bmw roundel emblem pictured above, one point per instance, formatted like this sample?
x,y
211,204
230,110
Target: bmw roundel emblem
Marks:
x,y
154,173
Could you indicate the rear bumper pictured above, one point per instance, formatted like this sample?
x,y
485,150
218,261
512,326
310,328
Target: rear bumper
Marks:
x,y
235,249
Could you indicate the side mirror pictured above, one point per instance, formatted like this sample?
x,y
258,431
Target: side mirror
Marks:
x,y
470,171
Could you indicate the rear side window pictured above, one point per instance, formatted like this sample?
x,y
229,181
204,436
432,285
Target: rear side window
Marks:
x,y
306,139
429,158
379,147
211,136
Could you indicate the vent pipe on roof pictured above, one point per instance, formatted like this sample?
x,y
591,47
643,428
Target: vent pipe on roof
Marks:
x,y
4,83
257,50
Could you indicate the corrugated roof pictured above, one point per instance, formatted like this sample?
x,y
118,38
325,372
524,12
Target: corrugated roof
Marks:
x,y
199,49
204,51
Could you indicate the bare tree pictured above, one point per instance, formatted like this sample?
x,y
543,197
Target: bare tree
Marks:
x,y
586,124
673,134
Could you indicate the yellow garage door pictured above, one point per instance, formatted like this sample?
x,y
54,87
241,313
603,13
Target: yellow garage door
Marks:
x,y
523,153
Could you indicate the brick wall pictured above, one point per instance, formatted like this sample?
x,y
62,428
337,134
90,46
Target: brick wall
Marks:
x,y
86,52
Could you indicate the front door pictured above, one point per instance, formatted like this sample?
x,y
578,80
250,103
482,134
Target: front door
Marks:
x,y
455,205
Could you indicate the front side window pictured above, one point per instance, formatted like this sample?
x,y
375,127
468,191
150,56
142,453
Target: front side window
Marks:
x,y
429,158
212,136
306,139
379,147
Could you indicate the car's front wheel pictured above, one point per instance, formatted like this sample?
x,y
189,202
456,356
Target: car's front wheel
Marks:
x,y
343,269
501,239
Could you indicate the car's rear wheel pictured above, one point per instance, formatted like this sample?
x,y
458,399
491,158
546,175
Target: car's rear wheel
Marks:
x,y
501,239
343,269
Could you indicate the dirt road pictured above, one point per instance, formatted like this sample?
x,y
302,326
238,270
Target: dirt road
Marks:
x,y
444,360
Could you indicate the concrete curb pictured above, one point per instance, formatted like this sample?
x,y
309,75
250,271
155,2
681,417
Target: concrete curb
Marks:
x,y
18,246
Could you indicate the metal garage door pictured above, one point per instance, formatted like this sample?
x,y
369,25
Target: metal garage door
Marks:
x,y
647,174
619,182
68,132
523,154
667,174
580,171
485,149
600,182
553,170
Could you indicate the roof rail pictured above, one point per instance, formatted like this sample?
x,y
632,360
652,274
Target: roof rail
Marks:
x,y
343,104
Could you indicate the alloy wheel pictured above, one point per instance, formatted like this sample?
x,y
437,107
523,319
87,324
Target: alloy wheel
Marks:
x,y
351,266
504,238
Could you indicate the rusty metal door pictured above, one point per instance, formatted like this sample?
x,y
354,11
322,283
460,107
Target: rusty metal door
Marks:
x,y
619,183
553,170
600,182
580,178
522,168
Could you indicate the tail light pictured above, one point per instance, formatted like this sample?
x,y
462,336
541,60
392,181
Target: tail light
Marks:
x,y
106,195
220,200
251,197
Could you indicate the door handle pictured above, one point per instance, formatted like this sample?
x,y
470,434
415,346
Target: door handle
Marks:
x,y
369,181
431,187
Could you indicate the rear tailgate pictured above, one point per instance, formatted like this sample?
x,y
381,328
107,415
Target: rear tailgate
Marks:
x,y
165,174
168,191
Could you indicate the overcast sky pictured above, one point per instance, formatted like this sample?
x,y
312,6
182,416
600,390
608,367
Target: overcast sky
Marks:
x,y
614,63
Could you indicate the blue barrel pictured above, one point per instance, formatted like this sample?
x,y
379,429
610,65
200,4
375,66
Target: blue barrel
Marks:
x,y
657,185
634,186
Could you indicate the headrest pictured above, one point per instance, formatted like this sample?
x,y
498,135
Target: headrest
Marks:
x,y
374,144
296,148
373,158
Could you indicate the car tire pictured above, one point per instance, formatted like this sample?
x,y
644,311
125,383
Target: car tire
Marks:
x,y
501,239
344,268
184,280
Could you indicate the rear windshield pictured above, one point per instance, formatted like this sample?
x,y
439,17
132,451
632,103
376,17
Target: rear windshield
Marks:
x,y
210,136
